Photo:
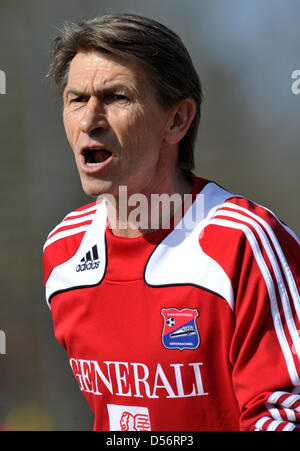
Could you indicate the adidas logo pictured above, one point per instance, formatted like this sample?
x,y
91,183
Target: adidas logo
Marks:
x,y
89,261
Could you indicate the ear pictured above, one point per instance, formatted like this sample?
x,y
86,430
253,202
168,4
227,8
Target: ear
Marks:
x,y
181,117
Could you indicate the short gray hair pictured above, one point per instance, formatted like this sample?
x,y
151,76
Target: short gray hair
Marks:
x,y
154,46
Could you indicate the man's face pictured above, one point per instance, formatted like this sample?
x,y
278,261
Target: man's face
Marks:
x,y
114,124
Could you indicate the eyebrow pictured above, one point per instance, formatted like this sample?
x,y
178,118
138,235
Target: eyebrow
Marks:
x,y
99,92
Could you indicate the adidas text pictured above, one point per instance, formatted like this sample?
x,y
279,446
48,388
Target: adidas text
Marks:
x,y
87,266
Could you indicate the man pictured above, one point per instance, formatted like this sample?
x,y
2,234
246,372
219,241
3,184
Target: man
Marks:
x,y
181,321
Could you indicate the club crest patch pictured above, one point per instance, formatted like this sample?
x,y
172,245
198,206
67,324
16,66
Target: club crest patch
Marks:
x,y
180,328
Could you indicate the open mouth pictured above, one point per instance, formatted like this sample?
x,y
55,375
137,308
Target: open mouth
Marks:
x,y
94,156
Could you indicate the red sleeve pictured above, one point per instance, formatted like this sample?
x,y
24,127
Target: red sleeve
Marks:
x,y
265,347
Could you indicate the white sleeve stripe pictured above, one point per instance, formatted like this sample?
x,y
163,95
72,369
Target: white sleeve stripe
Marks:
x,y
272,294
259,426
278,276
81,212
287,271
289,427
291,232
68,222
288,401
65,233
273,398
260,423
274,425
275,414
290,414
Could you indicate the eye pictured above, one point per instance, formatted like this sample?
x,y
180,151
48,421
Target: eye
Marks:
x,y
78,99
110,98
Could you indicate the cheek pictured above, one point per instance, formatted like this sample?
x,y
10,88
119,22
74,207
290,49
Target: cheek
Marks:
x,y
136,129
70,129
126,126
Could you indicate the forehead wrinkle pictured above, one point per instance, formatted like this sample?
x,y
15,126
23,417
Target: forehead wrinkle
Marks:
x,y
93,73
97,80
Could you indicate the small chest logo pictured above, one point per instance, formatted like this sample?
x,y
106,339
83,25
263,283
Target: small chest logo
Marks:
x,y
139,422
180,329
89,261
128,418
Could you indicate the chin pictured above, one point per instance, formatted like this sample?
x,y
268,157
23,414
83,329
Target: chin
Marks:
x,y
95,189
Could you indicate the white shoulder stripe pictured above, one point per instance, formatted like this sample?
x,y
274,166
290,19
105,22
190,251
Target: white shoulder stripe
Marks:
x,y
65,233
69,222
290,231
65,276
286,269
272,296
81,212
278,275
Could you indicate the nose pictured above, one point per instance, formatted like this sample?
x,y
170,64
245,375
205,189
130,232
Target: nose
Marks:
x,y
93,117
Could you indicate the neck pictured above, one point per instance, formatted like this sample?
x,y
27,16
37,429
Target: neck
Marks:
x,y
132,215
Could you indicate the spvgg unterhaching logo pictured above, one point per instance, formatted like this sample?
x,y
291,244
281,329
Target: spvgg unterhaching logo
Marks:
x,y
2,82
295,87
2,342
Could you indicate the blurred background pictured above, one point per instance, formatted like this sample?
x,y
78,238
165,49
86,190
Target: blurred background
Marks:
x,y
245,53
